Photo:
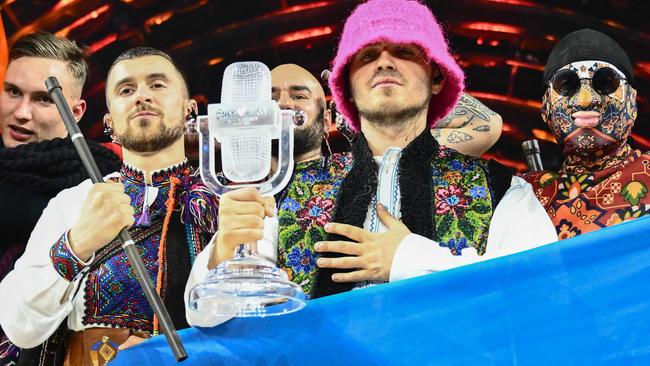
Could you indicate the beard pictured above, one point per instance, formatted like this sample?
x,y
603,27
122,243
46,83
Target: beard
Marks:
x,y
309,138
393,114
134,139
387,115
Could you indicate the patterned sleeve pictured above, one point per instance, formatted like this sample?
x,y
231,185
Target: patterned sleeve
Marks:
x,y
65,262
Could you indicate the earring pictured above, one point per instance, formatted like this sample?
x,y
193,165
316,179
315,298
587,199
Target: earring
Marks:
x,y
108,131
327,142
190,123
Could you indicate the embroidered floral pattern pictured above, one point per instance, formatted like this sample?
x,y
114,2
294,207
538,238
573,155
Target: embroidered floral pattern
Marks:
x,y
451,199
566,230
318,212
456,245
305,206
463,206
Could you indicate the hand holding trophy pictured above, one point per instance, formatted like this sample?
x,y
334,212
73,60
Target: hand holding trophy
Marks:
x,y
245,123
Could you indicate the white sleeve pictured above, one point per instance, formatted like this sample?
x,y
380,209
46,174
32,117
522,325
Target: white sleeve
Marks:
x,y
35,298
267,248
519,223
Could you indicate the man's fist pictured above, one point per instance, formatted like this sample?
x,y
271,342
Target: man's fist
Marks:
x,y
241,220
106,211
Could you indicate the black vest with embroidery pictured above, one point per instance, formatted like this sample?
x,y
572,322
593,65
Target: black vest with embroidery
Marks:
x,y
445,196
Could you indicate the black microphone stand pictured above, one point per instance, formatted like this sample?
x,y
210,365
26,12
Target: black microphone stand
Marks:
x,y
532,154
55,92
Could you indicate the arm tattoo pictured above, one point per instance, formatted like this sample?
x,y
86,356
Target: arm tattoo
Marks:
x,y
447,120
482,128
468,109
456,137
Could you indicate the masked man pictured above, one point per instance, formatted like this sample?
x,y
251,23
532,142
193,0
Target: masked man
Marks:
x,y
590,105
74,271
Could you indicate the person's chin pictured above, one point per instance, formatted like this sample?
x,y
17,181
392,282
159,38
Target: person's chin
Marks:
x,y
11,143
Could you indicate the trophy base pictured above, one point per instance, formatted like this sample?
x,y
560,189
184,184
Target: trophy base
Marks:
x,y
247,286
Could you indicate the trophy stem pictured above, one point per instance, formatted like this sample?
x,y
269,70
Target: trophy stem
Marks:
x,y
246,250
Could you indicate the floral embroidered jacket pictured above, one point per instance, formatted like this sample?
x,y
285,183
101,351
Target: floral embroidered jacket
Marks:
x,y
305,206
455,210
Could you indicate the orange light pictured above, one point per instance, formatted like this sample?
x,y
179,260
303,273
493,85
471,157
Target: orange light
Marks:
x,y
101,43
494,43
301,7
214,61
505,127
550,37
504,98
302,34
62,4
181,45
493,27
525,65
159,19
514,2
83,20
615,24
479,41
641,140
543,135
518,165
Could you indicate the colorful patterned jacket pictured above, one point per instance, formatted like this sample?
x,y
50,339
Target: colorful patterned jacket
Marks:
x,y
445,196
579,201
173,220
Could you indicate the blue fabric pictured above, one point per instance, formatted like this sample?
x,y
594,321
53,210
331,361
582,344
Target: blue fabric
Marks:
x,y
583,301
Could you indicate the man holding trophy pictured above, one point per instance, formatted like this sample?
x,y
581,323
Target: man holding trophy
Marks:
x,y
317,174
378,220
379,223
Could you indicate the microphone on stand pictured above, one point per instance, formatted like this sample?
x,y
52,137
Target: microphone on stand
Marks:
x,y
325,75
339,120
532,154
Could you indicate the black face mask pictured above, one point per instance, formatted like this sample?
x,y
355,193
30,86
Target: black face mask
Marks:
x,y
604,81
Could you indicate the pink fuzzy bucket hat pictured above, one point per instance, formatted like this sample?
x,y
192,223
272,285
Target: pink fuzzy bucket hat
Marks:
x,y
395,21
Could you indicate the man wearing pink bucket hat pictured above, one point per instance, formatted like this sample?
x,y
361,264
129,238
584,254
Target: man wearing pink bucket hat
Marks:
x,y
410,206
402,205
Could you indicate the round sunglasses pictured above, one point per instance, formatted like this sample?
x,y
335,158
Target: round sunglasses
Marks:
x,y
605,81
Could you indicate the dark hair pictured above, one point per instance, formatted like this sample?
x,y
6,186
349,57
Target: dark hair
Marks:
x,y
47,45
137,52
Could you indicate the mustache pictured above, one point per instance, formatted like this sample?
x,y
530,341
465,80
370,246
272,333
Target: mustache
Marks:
x,y
386,74
145,107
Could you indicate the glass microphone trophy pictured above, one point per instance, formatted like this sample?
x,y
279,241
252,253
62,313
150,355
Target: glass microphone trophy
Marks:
x,y
245,123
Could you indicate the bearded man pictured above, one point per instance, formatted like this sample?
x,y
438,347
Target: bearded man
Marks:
x,y
74,271
407,206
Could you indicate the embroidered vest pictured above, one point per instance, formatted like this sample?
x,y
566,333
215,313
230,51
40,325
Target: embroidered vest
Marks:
x,y
305,206
112,295
463,201
462,193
